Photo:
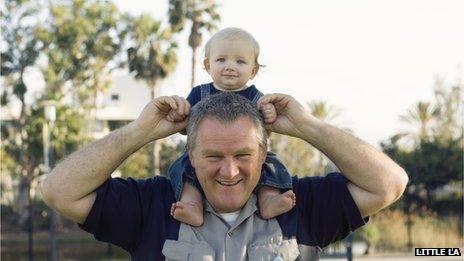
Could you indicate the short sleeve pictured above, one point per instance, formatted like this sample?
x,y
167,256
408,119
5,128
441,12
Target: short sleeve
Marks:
x,y
117,215
327,211
194,96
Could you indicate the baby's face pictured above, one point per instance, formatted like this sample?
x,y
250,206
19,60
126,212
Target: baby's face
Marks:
x,y
231,64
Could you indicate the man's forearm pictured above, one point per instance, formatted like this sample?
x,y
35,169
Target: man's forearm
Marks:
x,y
361,163
83,171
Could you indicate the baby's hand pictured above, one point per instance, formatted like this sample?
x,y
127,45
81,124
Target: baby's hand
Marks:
x,y
174,116
269,113
179,114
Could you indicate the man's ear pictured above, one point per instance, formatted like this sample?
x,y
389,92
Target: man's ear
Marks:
x,y
191,158
263,154
206,64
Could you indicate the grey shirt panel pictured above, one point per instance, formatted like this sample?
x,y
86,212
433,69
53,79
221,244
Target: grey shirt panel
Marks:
x,y
250,238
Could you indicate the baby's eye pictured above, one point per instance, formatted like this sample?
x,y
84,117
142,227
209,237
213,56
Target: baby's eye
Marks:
x,y
220,60
241,61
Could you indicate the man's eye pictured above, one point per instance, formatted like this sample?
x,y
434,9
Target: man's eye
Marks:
x,y
244,155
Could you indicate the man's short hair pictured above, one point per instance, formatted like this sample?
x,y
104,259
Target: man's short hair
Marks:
x,y
224,107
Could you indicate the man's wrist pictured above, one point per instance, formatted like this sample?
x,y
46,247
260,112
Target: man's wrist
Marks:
x,y
140,134
309,128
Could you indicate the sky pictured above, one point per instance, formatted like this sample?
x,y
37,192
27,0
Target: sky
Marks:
x,y
373,60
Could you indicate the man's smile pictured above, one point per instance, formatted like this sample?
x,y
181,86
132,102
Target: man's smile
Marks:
x,y
228,183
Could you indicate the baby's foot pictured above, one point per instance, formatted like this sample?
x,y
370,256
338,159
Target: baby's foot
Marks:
x,y
189,213
276,205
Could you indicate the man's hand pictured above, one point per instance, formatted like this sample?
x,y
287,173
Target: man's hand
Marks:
x,y
375,181
69,188
290,114
164,116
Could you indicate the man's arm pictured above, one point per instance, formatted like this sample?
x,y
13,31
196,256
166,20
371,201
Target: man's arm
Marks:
x,y
376,181
69,188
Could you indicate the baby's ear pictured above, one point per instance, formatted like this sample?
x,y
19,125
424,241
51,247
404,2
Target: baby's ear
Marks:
x,y
206,64
255,71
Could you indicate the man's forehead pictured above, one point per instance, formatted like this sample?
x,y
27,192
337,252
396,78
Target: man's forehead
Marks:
x,y
211,124
239,150
211,130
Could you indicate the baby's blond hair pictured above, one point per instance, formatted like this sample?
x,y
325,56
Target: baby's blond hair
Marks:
x,y
231,34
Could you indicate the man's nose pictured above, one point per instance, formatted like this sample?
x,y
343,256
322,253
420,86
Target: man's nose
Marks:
x,y
229,169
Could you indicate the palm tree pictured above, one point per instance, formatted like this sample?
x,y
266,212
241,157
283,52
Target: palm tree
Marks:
x,y
449,105
152,57
422,114
202,14
325,112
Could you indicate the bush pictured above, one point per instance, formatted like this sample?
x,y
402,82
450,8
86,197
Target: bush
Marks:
x,y
387,231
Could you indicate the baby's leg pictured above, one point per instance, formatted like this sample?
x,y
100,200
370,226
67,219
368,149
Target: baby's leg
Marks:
x,y
272,203
189,209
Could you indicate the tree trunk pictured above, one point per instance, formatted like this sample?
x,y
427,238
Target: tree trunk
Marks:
x,y
409,222
24,198
154,148
194,61
30,225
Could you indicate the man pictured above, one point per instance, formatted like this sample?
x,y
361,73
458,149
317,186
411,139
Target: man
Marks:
x,y
227,145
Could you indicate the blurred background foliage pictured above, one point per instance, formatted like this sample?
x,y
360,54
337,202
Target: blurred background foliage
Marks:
x,y
76,44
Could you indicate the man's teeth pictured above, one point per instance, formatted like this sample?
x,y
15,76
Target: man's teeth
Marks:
x,y
228,183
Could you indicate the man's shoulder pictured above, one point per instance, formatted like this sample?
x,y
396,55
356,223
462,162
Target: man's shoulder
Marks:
x,y
148,185
333,176
156,180
313,182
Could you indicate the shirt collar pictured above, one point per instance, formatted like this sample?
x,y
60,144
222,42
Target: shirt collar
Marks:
x,y
248,210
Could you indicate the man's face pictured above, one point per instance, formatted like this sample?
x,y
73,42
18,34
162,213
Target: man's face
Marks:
x,y
227,159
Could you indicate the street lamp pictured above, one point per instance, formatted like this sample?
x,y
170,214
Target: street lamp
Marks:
x,y
49,160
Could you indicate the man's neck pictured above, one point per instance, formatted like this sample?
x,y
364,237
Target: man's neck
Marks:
x,y
230,218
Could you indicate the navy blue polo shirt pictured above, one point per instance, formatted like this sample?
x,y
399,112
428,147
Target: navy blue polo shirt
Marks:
x,y
135,214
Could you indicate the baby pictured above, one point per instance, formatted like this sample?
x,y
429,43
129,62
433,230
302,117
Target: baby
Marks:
x,y
231,58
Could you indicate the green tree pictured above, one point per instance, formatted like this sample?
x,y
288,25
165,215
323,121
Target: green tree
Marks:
x,y
295,153
19,51
81,41
151,57
170,151
434,162
370,233
203,17
435,177
439,120
136,166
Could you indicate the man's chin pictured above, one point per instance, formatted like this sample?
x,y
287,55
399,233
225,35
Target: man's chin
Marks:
x,y
229,206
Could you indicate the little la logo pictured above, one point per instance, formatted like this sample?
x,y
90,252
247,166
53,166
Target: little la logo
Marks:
x,y
437,251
